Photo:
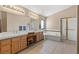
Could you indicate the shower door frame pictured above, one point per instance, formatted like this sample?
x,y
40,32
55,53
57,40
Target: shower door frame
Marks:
x,y
61,27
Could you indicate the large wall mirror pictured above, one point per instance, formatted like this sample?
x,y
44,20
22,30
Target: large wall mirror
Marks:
x,y
33,24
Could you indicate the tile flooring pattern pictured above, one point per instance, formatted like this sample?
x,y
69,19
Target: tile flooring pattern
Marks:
x,y
52,47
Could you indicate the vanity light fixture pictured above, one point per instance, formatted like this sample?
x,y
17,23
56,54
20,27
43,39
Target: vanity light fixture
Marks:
x,y
13,8
33,15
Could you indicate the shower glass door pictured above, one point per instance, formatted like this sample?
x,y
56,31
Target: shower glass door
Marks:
x,y
72,29
69,29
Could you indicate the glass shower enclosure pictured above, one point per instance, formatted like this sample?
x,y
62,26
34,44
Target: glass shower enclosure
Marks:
x,y
69,28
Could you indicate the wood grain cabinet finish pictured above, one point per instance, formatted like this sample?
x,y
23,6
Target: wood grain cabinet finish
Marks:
x,y
39,36
15,44
19,43
23,42
5,46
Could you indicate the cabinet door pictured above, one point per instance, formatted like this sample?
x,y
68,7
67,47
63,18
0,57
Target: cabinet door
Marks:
x,y
41,36
23,42
38,36
5,46
15,45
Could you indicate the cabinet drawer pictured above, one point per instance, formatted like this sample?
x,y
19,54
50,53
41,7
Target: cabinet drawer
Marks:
x,y
5,42
23,42
24,37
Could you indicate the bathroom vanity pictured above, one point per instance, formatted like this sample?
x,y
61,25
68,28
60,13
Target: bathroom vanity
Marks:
x,y
11,43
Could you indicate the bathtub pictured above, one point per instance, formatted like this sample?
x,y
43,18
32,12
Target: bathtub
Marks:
x,y
52,35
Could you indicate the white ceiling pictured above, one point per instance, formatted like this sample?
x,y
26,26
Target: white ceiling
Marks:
x,y
47,10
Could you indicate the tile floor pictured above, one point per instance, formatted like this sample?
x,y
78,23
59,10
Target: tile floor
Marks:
x,y
52,47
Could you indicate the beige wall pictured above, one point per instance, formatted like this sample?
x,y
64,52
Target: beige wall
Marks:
x,y
53,21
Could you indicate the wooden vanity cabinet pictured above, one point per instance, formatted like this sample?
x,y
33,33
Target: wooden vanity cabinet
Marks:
x,y
15,44
19,43
39,36
23,42
5,46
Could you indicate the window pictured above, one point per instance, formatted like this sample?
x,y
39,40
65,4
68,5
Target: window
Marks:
x,y
42,24
20,28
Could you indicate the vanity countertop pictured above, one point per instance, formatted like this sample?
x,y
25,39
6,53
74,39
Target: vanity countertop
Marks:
x,y
6,35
